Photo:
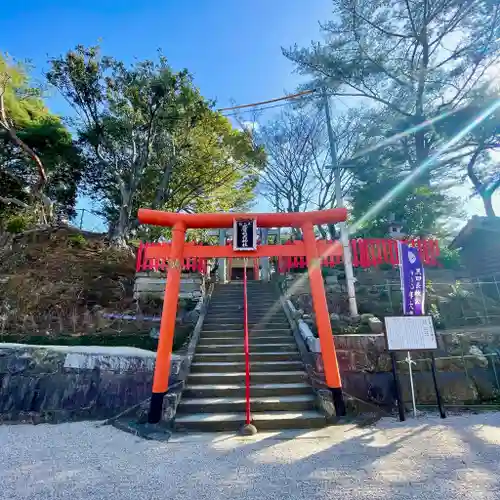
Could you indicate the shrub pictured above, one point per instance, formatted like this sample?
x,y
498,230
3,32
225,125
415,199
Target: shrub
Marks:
x,y
77,240
449,259
17,224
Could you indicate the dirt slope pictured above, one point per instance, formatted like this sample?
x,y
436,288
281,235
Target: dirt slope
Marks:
x,y
54,280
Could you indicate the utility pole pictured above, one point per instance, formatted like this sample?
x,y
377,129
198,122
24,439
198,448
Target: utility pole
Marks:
x,y
344,233
277,204
222,260
81,218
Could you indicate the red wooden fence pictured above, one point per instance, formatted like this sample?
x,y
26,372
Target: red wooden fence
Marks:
x,y
365,253
190,264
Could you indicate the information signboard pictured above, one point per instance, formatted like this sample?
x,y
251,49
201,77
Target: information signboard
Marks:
x,y
410,333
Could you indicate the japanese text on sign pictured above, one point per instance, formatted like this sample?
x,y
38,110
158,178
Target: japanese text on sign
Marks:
x,y
410,333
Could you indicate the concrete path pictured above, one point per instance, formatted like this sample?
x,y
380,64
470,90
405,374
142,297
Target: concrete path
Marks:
x,y
458,458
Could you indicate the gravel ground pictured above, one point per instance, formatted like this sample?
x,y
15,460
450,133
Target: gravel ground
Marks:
x,y
457,458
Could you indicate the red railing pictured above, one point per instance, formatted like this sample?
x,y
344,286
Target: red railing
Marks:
x,y
247,347
365,253
373,252
144,263
370,252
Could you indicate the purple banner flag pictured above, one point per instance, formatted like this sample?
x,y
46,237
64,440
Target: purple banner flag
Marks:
x,y
412,280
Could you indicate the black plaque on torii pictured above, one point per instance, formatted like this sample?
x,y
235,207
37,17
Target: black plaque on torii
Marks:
x,y
245,234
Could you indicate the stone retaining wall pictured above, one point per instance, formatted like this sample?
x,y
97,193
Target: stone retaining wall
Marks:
x,y
151,285
64,383
468,363
61,383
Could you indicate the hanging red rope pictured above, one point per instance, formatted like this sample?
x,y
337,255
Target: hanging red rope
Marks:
x,y
247,345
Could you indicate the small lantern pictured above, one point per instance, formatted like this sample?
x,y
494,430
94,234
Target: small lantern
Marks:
x,y
395,229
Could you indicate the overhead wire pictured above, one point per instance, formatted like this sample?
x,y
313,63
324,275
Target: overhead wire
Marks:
x,y
263,108
268,101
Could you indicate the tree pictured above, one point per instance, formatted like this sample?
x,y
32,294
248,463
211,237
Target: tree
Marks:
x,y
414,62
422,209
298,174
215,168
292,141
39,163
483,141
150,137
380,188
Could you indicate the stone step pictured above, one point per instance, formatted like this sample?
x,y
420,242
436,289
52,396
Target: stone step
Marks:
x,y
251,301
250,288
250,284
250,294
251,298
215,320
239,377
230,311
217,307
254,299
252,321
238,327
238,308
236,404
238,285
214,422
238,390
255,366
275,332
232,348
240,339
254,356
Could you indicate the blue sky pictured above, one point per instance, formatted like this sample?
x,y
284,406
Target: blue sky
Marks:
x,y
233,48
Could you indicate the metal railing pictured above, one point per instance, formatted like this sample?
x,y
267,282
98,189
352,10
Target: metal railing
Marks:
x,y
464,302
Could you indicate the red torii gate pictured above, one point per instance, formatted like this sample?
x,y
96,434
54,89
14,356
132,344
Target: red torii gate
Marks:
x,y
179,250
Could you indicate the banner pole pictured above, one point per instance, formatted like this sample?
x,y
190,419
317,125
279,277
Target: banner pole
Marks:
x,y
410,362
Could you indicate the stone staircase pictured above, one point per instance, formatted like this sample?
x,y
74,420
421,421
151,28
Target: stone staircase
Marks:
x,y
214,398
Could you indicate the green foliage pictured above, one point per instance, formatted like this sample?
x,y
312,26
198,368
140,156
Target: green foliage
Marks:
x,y
436,315
16,224
385,266
390,56
458,292
421,208
449,259
46,135
152,140
77,240
483,140
19,220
